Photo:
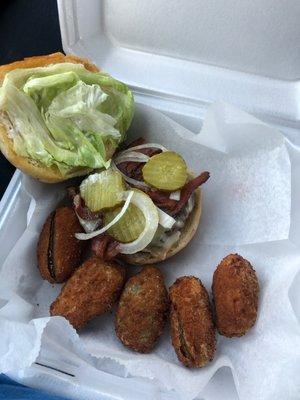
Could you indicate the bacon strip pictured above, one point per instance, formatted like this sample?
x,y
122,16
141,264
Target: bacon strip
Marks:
x,y
161,199
105,247
136,142
187,191
80,207
173,207
72,191
134,169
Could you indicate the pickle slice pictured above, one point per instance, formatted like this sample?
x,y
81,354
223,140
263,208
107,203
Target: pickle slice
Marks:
x,y
102,190
129,227
166,171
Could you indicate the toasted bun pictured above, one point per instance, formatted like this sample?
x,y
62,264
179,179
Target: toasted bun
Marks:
x,y
156,254
27,165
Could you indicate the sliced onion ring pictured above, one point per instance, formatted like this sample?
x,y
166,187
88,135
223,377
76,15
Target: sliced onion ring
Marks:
x,y
146,205
89,225
131,156
165,220
132,181
175,195
145,146
126,196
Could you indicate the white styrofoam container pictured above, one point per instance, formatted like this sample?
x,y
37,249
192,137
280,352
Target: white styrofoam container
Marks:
x,y
178,56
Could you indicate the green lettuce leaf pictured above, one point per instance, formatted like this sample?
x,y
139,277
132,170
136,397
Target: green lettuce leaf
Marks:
x,y
81,105
44,89
66,116
69,147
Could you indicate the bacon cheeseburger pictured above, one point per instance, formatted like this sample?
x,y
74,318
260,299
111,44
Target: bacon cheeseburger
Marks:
x,y
145,207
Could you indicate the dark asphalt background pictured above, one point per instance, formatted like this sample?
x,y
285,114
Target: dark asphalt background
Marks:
x,y
27,28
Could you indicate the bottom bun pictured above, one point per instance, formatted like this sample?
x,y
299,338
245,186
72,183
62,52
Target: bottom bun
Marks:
x,y
155,254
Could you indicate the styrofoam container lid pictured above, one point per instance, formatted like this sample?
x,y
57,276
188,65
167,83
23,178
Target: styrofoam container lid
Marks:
x,y
195,51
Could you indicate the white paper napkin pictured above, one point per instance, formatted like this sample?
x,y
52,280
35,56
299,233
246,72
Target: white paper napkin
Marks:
x,y
247,209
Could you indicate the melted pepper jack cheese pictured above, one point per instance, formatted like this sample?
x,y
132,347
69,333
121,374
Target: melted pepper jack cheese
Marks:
x,y
166,238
